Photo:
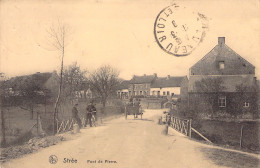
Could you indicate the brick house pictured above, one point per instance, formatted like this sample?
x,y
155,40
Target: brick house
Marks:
x,y
223,84
141,85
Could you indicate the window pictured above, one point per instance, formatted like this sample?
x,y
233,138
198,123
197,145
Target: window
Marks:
x,y
222,101
141,92
172,94
221,65
246,104
168,93
153,92
164,93
158,93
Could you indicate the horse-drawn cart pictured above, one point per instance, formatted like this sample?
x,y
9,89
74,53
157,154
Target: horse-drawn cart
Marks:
x,y
134,110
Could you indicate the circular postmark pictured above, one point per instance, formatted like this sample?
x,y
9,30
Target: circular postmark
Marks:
x,y
179,31
53,159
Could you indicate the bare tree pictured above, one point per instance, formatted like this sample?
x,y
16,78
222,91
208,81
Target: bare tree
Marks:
x,y
74,78
2,97
104,81
57,39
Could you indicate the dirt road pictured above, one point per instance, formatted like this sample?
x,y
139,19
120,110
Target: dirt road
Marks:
x,y
130,143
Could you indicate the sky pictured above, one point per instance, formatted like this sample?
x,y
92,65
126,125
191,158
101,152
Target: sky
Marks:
x,y
119,33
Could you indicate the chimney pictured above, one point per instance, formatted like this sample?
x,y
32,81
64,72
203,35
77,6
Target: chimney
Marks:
x,y
155,75
221,40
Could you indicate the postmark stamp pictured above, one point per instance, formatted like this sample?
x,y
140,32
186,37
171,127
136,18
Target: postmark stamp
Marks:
x,y
178,31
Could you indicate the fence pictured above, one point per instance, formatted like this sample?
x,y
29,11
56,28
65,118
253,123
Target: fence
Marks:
x,y
181,125
67,125
184,126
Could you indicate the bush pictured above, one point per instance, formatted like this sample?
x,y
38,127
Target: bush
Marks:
x,y
23,138
215,138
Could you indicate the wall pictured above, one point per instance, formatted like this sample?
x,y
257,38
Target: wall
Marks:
x,y
148,103
136,88
205,106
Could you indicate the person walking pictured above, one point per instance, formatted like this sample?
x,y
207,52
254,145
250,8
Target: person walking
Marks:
x,y
75,115
90,110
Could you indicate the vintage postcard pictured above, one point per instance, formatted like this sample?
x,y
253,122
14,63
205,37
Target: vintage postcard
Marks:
x,y
129,84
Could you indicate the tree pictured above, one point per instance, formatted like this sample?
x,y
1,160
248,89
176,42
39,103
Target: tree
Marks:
x,y
104,81
74,78
2,117
210,89
57,39
30,92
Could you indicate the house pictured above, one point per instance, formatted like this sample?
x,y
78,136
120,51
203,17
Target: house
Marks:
x,y
151,86
84,91
167,87
38,84
140,85
222,83
122,91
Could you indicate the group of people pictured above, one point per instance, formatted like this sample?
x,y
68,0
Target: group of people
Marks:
x,y
90,110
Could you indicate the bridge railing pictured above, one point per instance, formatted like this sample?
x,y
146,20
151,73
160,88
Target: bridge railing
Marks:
x,y
181,125
184,126
67,125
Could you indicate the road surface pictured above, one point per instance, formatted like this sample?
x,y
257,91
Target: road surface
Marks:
x,y
131,143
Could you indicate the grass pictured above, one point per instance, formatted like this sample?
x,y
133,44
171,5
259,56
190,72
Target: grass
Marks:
x,y
229,133
230,159
18,122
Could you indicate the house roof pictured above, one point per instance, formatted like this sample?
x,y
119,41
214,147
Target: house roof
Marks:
x,y
167,82
234,63
230,82
39,78
142,79
124,85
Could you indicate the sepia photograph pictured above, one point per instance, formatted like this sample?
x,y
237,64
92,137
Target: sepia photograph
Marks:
x,y
129,84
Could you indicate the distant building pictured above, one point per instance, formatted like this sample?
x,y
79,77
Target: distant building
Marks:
x,y
151,86
141,85
226,79
38,87
167,87
39,81
84,91
122,91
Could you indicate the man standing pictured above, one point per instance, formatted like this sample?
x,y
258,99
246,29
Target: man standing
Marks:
x,y
75,115
90,110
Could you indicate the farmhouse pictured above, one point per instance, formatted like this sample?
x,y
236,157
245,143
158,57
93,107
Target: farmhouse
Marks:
x,y
223,84
40,82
